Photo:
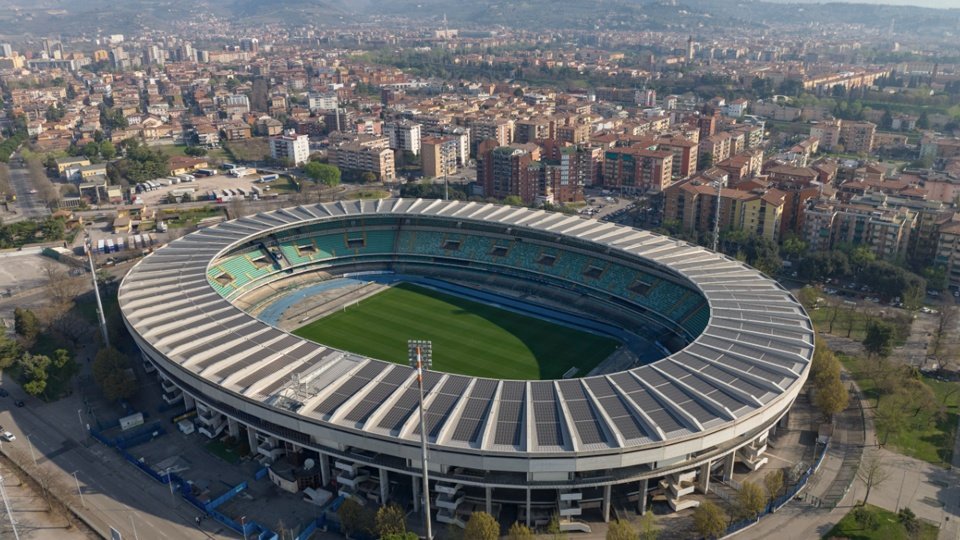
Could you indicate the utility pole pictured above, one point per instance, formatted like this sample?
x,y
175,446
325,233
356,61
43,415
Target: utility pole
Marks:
x,y
96,293
420,354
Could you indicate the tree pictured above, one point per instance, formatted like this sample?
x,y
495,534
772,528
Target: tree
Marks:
x,y
111,371
621,530
519,531
107,150
391,520
10,350
368,177
195,151
513,200
322,173
808,296
872,472
750,500
648,527
350,514
709,520
773,482
26,325
923,122
879,339
831,398
705,161
481,526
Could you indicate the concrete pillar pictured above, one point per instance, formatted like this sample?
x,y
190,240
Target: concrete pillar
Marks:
x,y
233,428
416,494
703,478
606,503
728,461
188,402
489,500
252,439
325,469
529,510
642,500
384,487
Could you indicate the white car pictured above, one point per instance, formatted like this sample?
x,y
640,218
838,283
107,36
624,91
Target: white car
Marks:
x,y
7,436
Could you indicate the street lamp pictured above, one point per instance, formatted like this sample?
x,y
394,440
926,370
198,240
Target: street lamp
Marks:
x,y
420,354
170,483
243,526
6,503
33,454
79,491
80,419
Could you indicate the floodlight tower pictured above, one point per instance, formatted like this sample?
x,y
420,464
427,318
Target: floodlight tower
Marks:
x,y
420,354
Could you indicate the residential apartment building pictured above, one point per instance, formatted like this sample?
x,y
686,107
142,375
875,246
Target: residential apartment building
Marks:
x,y
482,129
404,136
290,148
828,132
358,157
717,146
439,156
506,170
694,205
685,155
637,170
458,133
799,184
858,137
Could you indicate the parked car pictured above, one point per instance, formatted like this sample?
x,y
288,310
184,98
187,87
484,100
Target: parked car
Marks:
x,y
19,403
7,436
4,393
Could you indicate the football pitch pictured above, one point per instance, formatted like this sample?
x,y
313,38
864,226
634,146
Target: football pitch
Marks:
x,y
468,337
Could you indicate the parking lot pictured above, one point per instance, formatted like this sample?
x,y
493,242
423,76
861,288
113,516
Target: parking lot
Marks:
x,y
205,184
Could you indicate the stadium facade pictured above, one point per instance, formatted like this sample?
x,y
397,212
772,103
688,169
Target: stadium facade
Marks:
x,y
741,348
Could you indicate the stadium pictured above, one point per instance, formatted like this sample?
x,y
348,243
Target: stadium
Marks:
x,y
593,365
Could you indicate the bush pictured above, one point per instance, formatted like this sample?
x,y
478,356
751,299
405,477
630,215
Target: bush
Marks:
x,y
864,517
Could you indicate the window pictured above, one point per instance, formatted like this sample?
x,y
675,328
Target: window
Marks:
x,y
224,279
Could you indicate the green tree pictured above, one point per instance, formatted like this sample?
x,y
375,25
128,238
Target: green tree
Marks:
x,y
368,177
107,150
519,531
879,339
705,161
10,350
750,500
401,536
923,122
709,520
773,482
195,151
322,173
513,200
350,514
391,520
831,397
34,370
793,247
111,371
648,527
26,325
621,530
481,526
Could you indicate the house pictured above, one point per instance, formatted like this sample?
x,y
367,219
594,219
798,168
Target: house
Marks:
x,y
177,165
68,166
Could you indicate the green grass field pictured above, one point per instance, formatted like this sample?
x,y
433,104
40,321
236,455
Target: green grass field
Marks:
x,y
468,337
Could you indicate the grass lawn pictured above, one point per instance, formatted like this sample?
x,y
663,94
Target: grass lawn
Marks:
x,y
468,337
933,444
887,527
229,453
248,149
178,150
853,323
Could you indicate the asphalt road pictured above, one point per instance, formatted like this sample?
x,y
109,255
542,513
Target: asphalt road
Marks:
x,y
115,493
29,204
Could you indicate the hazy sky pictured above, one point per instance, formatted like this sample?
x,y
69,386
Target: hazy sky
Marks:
x,y
920,3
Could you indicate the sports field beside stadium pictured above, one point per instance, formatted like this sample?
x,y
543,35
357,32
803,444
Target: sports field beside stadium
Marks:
x,y
468,337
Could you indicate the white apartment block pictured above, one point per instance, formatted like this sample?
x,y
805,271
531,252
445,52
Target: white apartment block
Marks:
x,y
290,147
